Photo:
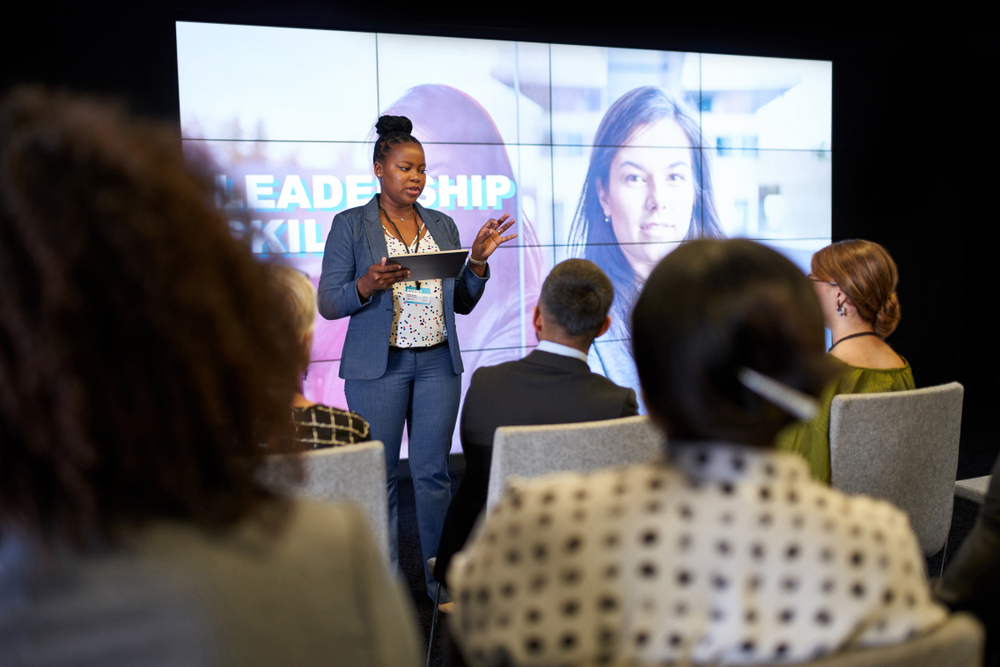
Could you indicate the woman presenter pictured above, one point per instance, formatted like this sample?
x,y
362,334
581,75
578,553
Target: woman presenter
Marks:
x,y
401,361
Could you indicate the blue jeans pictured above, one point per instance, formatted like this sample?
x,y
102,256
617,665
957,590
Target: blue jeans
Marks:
x,y
422,389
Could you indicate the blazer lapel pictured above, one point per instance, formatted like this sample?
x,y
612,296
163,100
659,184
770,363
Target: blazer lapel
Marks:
x,y
436,227
373,227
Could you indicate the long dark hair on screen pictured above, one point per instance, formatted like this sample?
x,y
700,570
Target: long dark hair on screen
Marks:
x,y
591,232
142,346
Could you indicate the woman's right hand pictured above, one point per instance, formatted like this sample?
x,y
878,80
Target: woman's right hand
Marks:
x,y
380,276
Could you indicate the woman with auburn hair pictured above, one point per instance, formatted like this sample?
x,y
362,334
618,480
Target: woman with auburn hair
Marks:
x,y
142,348
856,285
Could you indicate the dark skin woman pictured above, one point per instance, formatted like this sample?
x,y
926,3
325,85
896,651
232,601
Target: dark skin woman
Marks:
x,y
401,362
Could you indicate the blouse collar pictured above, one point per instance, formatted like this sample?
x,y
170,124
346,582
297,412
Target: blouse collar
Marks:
x,y
731,462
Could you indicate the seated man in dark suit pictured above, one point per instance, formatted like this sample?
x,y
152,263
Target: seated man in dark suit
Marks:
x,y
552,385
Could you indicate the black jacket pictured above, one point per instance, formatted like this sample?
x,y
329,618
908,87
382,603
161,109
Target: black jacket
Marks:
x,y
542,388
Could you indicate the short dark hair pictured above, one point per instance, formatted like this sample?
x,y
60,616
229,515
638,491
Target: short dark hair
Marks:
x,y
142,345
577,295
710,308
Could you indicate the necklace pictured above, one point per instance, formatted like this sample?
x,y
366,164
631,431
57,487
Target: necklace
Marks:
x,y
416,248
863,333
402,218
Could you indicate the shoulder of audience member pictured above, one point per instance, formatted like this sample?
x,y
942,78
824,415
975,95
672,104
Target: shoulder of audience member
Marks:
x,y
625,392
630,407
487,374
326,524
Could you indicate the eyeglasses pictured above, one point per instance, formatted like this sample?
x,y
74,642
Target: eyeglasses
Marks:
x,y
817,280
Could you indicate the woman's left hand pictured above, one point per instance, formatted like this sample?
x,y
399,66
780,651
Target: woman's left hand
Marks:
x,y
489,238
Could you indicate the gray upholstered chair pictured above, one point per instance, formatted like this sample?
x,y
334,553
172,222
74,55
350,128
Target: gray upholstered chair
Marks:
x,y
957,643
974,488
354,473
903,447
531,451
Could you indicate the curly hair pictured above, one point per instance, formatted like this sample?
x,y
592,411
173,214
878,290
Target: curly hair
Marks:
x,y
142,347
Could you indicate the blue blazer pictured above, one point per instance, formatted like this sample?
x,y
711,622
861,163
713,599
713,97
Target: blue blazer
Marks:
x,y
356,241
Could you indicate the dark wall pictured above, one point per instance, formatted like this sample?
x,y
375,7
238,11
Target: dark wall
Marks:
x,y
912,150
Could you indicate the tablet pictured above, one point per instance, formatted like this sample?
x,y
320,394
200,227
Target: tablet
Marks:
x,y
431,265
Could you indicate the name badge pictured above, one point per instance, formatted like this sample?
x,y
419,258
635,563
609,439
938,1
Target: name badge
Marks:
x,y
417,297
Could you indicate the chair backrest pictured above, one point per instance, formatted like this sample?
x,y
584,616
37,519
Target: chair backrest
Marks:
x,y
531,451
956,643
903,447
354,473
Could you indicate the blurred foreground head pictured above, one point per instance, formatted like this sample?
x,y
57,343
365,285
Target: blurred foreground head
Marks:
x,y
710,308
141,345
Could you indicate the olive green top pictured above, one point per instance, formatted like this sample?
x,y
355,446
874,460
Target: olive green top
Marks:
x,y
812,439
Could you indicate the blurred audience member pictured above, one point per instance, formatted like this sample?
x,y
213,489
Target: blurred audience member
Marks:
x,y
856,285
141,346
730,553
552,385
316,426
972,580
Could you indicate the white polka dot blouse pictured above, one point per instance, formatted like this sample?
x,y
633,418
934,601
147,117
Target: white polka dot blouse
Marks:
x,y
417,312
727,554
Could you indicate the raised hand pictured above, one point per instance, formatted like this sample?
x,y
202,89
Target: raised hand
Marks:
x,y
490,237
380,276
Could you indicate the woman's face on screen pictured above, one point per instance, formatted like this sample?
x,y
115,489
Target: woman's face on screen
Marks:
x,y
649,195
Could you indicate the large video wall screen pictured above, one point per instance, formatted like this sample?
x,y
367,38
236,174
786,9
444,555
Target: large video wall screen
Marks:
x,y
616,155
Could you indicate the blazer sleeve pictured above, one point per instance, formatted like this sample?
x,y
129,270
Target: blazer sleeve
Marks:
x,y
337,295
630,408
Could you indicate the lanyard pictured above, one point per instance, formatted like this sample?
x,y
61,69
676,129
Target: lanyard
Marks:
x,y
416,248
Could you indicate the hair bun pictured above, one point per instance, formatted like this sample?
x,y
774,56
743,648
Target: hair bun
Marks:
x,y
393,125
887,317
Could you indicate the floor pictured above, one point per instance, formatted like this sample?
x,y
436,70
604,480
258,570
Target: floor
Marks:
x,y
412,567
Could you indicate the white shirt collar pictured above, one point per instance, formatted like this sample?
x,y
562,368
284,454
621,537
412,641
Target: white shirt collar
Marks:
x,y
561,350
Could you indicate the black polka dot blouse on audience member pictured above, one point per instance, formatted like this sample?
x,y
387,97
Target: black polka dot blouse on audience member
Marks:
x,y
730,554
